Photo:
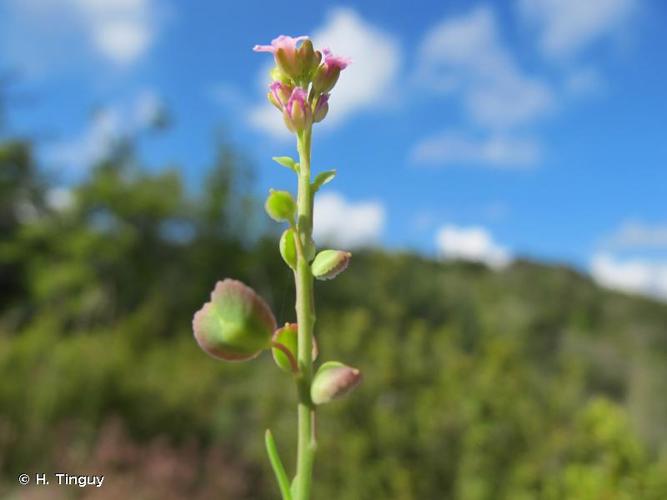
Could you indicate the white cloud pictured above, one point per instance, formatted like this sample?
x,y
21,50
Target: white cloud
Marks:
x,y
638,235
569,26
376,59
365,84
109,126
465,56
268,119
643,276
471,243
121,31
497,150
345,223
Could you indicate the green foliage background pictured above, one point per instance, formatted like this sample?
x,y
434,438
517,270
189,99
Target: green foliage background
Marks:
x,y
525,383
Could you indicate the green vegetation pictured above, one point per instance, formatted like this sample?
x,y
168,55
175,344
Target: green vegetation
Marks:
x,y
527,383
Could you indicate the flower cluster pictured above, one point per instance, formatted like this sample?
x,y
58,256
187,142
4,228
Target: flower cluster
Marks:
x,y
302,80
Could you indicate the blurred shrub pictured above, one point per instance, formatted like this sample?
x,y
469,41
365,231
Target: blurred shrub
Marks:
x,y
525,383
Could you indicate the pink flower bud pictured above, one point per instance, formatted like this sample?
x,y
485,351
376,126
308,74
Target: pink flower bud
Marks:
x,y
284,50
321,108
297,113
279,94
327,74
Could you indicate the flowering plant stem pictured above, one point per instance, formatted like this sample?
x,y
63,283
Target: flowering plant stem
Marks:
x,y
305,313
237,324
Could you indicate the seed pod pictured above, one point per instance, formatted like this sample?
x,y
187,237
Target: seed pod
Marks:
x,y
288,338
288,247
330,263
236,324
333,380
280,206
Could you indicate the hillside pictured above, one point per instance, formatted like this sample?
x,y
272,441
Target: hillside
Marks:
x,y
530,382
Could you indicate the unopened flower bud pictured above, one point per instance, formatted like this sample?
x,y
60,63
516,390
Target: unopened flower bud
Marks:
x,y
286,339
327,74
330,263
333,380
297,114
279,94
280,206
287,247
308,59
321,108
236,324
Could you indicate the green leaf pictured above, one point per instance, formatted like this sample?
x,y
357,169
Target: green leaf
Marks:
x,y
322,179
278,468
286,161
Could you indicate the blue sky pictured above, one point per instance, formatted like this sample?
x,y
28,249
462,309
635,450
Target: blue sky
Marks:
x,y
480,130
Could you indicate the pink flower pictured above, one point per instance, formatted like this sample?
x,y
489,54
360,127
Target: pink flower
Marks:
x,y
297,113
287,43
333,61
327,74
284,51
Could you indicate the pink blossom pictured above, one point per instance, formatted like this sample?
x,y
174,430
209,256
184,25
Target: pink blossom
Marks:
x,y
327,74
285,53
333,61
287,43
297,114
298,97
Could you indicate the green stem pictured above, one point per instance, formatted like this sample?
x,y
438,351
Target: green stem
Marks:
x,y
305,314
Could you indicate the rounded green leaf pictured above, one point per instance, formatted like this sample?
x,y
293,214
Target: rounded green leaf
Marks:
x,y
236,324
